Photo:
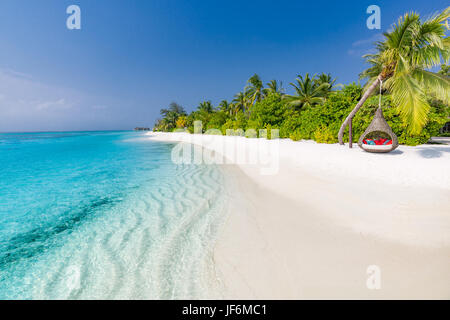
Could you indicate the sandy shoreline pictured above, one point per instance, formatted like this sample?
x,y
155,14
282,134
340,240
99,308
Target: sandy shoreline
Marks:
x,y
312,229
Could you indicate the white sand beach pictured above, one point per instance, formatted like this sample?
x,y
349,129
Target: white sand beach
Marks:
x,y
313,227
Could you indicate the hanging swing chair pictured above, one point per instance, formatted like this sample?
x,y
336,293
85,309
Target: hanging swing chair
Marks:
x,y
378,137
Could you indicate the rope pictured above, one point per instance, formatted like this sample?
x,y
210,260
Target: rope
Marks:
x,y
381,85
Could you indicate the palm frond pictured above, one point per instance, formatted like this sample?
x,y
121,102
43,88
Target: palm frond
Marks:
x,y
434,83
409,98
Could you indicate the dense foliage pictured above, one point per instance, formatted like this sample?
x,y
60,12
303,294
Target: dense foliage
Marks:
x,y
414,99
319,122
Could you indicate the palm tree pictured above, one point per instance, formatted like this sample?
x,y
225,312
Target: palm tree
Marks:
x,y
240,102
254,88
402,64
274,87
170,116
206,106
226,107
308,93
326,78
174,108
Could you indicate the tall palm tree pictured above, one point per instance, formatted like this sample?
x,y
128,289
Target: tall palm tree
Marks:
x,y
308,93
254,88
274,87
174,108
226,107
402,64
170,115
206,106
240,102
326,78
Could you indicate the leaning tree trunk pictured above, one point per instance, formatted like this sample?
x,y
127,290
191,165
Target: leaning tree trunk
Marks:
x,y
357,107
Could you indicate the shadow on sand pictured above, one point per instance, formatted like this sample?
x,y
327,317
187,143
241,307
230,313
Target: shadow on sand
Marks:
x,y
432,152
389,154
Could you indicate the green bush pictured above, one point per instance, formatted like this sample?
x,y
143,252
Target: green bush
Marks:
x,y
290,124
295,136
324,135
217,120
320,122
305,124
240,122
269,111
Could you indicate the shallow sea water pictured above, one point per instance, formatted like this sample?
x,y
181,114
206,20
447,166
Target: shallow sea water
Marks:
x,y
105,215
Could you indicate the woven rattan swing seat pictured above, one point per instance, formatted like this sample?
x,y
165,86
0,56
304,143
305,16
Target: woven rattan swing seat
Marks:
x,y
378,125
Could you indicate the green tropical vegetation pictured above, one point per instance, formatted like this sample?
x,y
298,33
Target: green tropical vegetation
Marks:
x,y
415,98
402,66
168,122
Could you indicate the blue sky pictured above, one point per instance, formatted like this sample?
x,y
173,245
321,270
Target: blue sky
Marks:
x,y
133,57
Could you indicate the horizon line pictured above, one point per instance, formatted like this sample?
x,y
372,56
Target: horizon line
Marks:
x,y
61,131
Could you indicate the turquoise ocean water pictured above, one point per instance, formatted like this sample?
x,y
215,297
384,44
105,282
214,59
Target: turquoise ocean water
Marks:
x,y
88,215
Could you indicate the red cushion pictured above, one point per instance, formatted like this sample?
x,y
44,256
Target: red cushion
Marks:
x,y
390,142
369,141
380,142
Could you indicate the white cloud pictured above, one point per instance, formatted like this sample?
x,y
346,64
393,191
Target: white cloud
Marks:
x,y
26,94
370,41
27,104
17,74
365,46
58,104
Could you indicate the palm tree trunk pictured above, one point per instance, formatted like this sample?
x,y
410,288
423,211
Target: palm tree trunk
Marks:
x,y
357,107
